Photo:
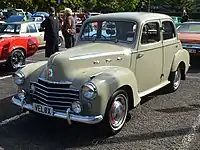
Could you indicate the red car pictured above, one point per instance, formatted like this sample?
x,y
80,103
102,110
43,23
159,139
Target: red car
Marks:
x,y
14,50
189,35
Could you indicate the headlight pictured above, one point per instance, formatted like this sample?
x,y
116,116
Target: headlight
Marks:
x,y
19,78
77,107
89,90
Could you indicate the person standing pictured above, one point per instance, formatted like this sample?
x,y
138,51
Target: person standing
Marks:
x,y
51,33
69,28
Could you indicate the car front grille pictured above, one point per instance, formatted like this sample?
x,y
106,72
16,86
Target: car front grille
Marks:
x,y
58,95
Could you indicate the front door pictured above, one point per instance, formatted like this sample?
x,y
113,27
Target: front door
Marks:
x,y
149,59
32,32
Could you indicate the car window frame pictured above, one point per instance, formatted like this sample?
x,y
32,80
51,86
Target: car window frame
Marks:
x,y
33,25
159,31
174,29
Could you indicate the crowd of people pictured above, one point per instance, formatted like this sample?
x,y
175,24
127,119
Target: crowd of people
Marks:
x,y
66,23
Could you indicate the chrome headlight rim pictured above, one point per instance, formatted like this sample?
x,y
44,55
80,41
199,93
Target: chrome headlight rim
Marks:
x,y
19,77
91,86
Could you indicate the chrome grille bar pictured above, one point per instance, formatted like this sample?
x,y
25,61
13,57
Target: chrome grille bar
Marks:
x,y
58,95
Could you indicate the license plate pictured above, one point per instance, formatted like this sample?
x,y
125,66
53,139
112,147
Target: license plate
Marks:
x,y
43,109
192,50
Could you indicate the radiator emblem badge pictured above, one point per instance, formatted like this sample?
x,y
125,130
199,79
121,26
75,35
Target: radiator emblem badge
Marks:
x,y
50,72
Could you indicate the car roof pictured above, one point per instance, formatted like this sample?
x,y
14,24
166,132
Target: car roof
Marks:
x,y
193,22
134,16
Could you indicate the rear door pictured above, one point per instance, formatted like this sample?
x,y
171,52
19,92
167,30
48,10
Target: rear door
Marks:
x,y
170,45
33,32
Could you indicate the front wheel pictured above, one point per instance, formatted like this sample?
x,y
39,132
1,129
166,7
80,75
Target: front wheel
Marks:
x,y
116,112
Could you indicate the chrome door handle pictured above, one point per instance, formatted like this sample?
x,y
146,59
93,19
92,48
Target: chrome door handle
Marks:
x,y
96,62
140,55
119,58
108,60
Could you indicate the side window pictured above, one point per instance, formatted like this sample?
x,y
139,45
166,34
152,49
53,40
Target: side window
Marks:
x,y
38,26
150,33
90,31
168,30
31,28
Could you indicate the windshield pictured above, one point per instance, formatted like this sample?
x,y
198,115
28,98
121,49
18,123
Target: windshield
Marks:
x,y
189,27
118,31
10,28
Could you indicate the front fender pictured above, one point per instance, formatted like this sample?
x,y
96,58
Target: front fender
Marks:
x,y
181,56
108,82
32,71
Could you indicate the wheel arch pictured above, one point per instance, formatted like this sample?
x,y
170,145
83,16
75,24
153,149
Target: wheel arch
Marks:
x,y
109,83
182,60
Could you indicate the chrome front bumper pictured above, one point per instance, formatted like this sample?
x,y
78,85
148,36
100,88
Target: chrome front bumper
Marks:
x,y
68,115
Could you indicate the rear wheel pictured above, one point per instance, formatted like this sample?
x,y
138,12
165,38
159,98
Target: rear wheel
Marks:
x,y
175,80
16,59
60,41
116,113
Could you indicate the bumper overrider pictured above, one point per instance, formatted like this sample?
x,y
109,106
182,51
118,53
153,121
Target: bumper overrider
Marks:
x,y
69,116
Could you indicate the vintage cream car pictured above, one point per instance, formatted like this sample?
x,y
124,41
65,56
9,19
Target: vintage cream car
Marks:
x,y
107,72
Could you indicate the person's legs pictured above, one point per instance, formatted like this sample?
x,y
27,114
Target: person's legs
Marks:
x,y
48,49
67,41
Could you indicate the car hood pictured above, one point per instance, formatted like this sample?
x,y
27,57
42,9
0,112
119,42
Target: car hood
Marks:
x,y
190,38
86,60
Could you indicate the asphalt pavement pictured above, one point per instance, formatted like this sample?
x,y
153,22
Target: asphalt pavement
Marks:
x,y
163,121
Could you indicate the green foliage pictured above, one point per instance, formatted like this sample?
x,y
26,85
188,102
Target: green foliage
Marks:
x,y
97,5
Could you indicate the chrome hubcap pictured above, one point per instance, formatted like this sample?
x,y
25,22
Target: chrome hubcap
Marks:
x,y
118,112
177,79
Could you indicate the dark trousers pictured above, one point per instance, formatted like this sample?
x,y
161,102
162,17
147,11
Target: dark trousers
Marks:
x,y
51,48
69,41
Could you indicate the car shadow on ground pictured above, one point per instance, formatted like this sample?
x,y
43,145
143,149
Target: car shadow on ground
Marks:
x,y
48,133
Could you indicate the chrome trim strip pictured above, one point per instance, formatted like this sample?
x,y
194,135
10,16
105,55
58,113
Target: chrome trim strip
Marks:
x,y
196,46
3,61
49,100
54,97
64,89
50,105
55,92
54,82
70,116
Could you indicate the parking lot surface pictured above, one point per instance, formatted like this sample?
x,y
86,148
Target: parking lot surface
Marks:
x,y
163,121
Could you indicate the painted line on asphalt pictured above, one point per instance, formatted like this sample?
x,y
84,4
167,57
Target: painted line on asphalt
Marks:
x,y
5,77
13,118
191,136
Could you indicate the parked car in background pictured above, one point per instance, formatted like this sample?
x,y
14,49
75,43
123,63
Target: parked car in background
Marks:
x,y
16,18
189,35
30,29
14,50
45,14
102,78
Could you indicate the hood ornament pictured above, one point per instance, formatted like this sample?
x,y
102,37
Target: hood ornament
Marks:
x,y
50,72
